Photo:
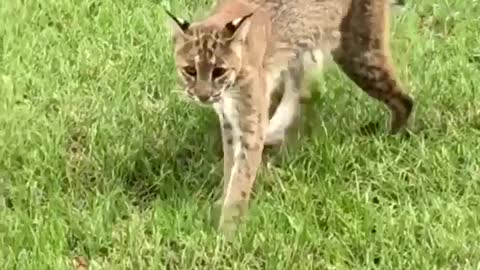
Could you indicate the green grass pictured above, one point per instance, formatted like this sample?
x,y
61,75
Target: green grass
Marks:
x,y
99,158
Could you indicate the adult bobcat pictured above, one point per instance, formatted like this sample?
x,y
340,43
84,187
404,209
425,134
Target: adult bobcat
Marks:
x,y
235,58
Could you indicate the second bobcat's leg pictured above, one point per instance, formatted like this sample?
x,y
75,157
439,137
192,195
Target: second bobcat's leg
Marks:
x,y
364,57
373,75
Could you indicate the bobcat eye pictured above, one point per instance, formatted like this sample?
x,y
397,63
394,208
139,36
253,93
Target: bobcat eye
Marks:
x,y
190,71
218,72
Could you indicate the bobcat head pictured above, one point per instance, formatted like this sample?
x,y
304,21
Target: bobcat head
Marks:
x,y
208,58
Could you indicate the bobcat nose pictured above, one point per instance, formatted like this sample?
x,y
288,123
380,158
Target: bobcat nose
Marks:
x,y
203,98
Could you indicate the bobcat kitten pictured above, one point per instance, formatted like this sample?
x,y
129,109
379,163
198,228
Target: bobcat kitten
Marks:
x,y
237,57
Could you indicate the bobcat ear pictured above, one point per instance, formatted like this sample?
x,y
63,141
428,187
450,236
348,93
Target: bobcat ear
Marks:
x,y
177,24
239,28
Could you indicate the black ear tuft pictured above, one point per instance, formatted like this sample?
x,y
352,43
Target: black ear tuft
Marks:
x,y
182,24
234,25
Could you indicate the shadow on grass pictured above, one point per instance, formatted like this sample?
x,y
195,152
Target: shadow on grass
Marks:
x,y
184,166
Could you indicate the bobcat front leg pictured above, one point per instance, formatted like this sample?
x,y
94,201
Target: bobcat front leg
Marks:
x,y
285,112
247,118
227,142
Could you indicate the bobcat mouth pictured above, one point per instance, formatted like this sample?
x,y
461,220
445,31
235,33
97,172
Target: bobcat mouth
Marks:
x,y
208,100
216,97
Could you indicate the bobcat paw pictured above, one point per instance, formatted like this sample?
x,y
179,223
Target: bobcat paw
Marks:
x,y
275,138
230,219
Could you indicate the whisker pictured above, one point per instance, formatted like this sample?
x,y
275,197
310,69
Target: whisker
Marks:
x,y
178,91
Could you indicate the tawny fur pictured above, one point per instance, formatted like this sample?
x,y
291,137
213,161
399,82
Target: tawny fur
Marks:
x,y
247,49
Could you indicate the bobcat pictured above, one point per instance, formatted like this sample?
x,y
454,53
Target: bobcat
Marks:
x,y
235,59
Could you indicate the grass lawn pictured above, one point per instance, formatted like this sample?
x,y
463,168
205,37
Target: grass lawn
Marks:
x,y
100,157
